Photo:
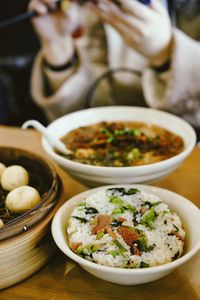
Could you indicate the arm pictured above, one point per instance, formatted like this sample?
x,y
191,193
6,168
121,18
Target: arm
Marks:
x,y
177,90
61,92
149,31
67,88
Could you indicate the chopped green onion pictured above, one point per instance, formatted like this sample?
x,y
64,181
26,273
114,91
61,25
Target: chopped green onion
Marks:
x,y
149,218
143,265
119,245
119,210
100,234
116,200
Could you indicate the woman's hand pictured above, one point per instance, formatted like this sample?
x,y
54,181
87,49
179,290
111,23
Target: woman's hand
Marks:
x,y
146,29
54,29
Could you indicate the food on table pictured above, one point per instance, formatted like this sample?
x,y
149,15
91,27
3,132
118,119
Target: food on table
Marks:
x,y
2,168
13,177
16,196
22,199
126,228
1,223
121,144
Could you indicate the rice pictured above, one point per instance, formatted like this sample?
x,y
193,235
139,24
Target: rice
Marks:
x,y
125,228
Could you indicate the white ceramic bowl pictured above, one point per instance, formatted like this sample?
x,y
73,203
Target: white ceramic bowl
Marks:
x,y
95,175
187,211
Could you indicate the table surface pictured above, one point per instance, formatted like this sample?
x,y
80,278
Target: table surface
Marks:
x,y
50,283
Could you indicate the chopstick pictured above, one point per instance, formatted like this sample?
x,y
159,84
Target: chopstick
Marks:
x,y
22,17
17,19
31,14
145,2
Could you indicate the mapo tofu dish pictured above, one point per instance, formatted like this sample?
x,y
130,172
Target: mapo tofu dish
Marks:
x,y
121,144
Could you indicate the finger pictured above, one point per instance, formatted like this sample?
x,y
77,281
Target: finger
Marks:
x,y
50,4
130,37
38,7
137,9
116,16
157,6
126,32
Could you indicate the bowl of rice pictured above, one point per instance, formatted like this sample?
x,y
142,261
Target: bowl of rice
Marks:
x,y
128,234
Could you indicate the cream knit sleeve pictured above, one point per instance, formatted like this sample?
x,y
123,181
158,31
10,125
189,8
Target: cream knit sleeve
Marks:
x,y
177,90
67,88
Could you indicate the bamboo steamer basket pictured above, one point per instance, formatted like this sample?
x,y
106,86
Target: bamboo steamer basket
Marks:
x,y
26,243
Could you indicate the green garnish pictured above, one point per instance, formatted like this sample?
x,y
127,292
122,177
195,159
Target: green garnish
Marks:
x,y
116,223
112,136
106,131
130,207
119,245
87,250
110,139
83,220
119,132
82,204
91,210
131,192
177,229
123,192
79,250
109,134
100,234
119,210
144,265
149,218
156,203
176,255
95,247
113,253
142,244
134,154
116,200
134,131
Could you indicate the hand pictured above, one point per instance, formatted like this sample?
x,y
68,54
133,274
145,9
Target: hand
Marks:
x,y
146,29
54,29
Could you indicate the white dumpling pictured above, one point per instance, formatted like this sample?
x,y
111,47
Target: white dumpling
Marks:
x,y
13,177
2,168
1,223
22,199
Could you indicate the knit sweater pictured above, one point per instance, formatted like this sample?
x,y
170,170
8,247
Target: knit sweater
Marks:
x,y
101,48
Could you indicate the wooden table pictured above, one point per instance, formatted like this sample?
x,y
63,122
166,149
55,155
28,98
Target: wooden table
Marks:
x,y
50,282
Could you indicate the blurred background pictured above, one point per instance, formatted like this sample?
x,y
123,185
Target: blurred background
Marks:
x,y
18,47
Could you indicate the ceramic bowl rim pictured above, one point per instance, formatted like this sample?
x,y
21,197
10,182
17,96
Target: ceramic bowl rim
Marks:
x,y
168,266
144,169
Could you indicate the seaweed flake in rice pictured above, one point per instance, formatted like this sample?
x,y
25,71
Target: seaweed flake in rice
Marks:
x,y
125,228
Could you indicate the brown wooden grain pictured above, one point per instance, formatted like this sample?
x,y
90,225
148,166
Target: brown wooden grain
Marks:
x,y
50,282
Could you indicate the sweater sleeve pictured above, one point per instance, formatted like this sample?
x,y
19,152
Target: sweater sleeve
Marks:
x,y
69,88
70,94
177,90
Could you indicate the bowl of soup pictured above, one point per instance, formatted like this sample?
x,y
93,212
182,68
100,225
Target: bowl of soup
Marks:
x,y
121,144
